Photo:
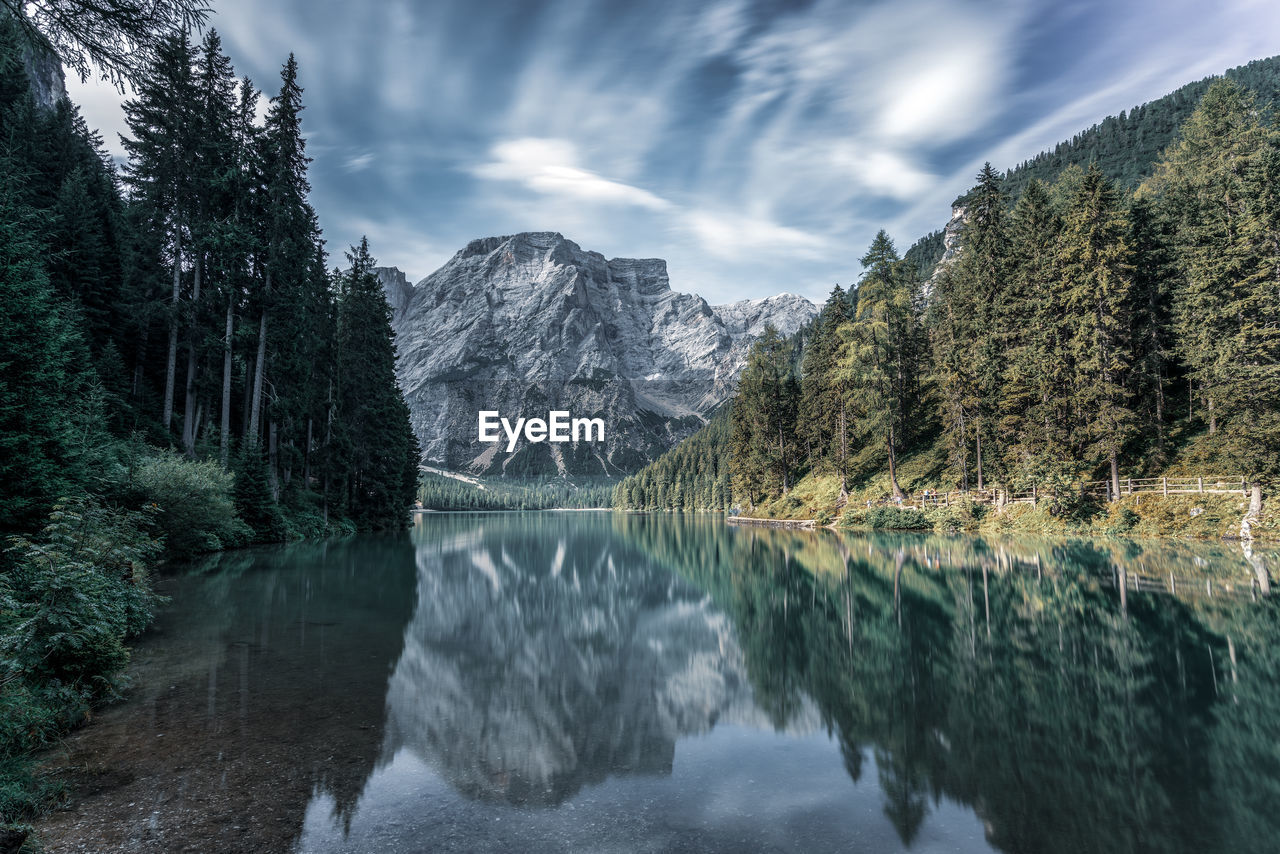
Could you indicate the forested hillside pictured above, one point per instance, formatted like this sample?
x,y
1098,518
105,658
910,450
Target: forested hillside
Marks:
x,y
1083,332
693,475
180,371
1127,147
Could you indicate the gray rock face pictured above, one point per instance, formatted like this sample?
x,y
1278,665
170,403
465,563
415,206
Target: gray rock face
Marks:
x,y
44,70
531,323
950,247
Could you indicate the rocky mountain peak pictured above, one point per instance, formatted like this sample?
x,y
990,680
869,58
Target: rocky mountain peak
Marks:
x,y
526,323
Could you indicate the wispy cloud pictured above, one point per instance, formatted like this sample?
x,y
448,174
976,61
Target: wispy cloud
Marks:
x,y
550,166
756,144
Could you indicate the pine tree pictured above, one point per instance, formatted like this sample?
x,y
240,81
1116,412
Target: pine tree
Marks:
x,y
762,444
967,335
379,468
161,152
1215,185
823,422
1097,282
877,346
1032,414
40,380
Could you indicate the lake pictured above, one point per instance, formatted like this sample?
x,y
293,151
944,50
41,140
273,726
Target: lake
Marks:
x,y
608,682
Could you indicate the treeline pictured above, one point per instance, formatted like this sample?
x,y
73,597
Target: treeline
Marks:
x,y
694,475
179,372
1057,343
437,492
1126,147
186,302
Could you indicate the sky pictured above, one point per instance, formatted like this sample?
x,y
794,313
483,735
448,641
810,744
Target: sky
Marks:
x,y
756,146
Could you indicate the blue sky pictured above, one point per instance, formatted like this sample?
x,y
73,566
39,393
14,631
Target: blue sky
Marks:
x,y
757,146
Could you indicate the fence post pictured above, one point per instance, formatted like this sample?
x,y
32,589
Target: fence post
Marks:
x,y
1033,495
1164,482
1130,481
1200,484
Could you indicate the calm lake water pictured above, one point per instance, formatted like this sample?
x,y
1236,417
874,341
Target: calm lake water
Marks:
x,y
608,682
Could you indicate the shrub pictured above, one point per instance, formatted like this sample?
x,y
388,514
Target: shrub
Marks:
x,y
197,512
254,502
886,518
68,601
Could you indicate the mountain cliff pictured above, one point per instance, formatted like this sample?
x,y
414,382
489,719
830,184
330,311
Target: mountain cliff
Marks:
x,y
529,323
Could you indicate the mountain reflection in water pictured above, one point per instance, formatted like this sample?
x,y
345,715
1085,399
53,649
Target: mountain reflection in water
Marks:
x,y
579,681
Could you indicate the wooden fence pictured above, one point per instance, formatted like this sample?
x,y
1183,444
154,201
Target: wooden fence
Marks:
x,y
1098,488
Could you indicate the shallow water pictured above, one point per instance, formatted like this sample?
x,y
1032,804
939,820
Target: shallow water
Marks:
x,y
609,682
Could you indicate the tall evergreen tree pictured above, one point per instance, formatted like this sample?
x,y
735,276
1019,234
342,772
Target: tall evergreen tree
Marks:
x,y
823,422
161,151
762,445
380,467
1098,291
876,358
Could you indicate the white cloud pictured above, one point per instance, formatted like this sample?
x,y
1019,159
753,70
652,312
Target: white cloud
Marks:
x,y
730,235
359,162
550,167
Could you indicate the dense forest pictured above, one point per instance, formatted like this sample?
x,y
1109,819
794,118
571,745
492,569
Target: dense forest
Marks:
x,y
438,492
1082,332
180,371
694,475
1125,148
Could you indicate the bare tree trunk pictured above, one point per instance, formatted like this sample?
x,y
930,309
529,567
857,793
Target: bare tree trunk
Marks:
x,y
978,435
224,445
171,367
782,461
139,359
255,405
844,452
306,457
1115,477
893,466
272,459
189,401
1213,418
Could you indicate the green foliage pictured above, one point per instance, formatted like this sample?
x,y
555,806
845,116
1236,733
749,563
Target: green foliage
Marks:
x,y
694,475
1127,147
253,500
886,518
68,601
762,435
195,504
437,492
1060,336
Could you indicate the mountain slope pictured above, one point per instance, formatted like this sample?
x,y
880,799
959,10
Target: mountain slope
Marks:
x,y
529,323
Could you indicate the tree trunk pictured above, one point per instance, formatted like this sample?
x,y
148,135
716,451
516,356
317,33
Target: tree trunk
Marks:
x,y
1115,477
224,445
272,459
189,400
306,457
844,453
978,436
255,404
171,366
1213,417
893,466
140,359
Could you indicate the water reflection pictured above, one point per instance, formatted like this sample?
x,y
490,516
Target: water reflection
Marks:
x,y
543,657
562,682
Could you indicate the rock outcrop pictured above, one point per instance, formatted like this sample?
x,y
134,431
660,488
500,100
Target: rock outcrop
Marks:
x,y
530,323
